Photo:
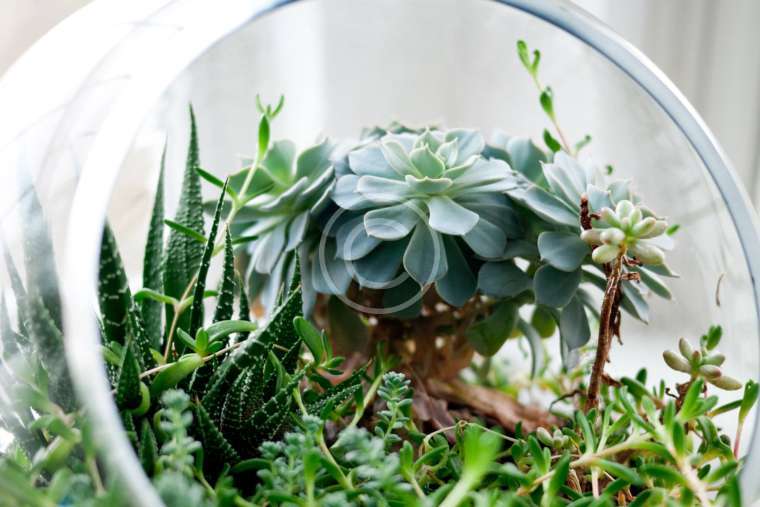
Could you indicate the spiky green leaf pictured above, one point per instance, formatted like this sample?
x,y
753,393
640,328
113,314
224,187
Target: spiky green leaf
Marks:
x,y
337,394
226,296
39,257
196,313
153,263
128,382
183,254
148,450
216,447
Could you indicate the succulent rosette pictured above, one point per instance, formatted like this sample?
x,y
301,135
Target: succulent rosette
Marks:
x,y
426,204
625,231
280,219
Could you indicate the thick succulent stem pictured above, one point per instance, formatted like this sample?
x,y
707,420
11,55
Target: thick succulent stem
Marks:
x,y
607,319
738,439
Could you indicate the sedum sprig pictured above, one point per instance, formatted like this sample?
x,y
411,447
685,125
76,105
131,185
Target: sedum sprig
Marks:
x,y
704,362
623,232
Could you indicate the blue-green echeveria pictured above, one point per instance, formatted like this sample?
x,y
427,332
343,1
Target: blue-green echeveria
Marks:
x,y
426,201
281,218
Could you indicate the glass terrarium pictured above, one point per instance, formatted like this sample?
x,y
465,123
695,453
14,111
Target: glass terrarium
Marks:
x,y
89,122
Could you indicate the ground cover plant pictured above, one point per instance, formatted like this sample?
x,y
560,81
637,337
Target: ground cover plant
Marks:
x,y
347,353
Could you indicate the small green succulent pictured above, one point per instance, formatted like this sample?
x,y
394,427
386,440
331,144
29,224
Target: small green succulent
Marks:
x,y
423,201
624,231
704,362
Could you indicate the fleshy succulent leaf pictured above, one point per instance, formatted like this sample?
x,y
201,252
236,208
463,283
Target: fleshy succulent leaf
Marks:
x,y
153,262
226,299
183,255
196,311
555,288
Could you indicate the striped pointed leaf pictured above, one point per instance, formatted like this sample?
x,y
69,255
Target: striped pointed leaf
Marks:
x,y
217,449
235,407
39,258
148,451
335,395
226,291
113,290
268,420
244,307
183,254
48,343
196,313
128,383
19,293
227,373
153,263
120,316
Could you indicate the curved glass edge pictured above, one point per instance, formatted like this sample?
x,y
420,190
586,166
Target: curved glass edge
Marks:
x,y
148,79
654,82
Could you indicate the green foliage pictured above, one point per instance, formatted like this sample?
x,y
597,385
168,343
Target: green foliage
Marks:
x,y
127,393
703,363
223,411
153,263
625,230
121,318
183,254
196,312
178,449
442,209
226,299
434,195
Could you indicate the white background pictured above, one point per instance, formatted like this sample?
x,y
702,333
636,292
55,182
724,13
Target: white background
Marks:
x,y
709,48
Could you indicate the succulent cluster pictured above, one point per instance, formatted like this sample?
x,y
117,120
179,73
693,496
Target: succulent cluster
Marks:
x,y
298,188
405,210
222,411
624,231
704,362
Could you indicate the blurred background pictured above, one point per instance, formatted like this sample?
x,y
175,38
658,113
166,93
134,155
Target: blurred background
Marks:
x,y
707,47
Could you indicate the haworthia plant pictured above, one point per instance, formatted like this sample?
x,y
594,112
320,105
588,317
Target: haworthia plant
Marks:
x,y
196,312
153,263
183,253
121,318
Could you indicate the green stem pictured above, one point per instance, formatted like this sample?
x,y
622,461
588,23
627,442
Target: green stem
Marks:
x,y
368,398
455,497
588,460
202,479
92,468
738,438
160,368
178,310
416,486
242,502
553,119
344,481
310,500
299,401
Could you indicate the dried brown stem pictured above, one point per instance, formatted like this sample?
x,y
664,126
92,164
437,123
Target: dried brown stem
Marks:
x,y
608,324
585,214
492,403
